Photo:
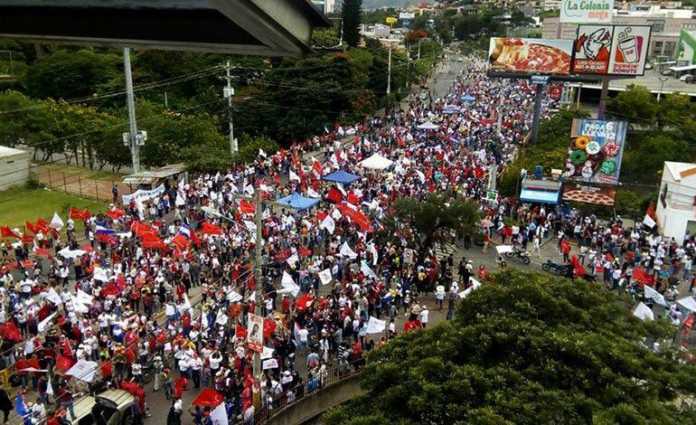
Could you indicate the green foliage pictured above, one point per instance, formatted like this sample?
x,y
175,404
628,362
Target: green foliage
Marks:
x,y
528,348
635,105
351,14
647,152
73,74
431,217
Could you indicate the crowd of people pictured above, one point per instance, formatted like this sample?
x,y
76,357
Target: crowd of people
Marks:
x,y
165,288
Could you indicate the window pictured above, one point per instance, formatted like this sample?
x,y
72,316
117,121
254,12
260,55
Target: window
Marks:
x,y
10,162
669,48
657,25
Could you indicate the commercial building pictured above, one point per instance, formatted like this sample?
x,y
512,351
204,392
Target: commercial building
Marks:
x,y
326,6
667,25
676,206
14,167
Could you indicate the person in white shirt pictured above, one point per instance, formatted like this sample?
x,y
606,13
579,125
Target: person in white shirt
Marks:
x,y
424,315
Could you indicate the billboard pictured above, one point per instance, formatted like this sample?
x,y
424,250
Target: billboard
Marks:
x,y
530,55
611,49
593,49
594,195
629,49
586,11
595,152
687,48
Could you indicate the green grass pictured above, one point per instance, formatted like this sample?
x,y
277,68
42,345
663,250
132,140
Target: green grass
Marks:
x,y
20,204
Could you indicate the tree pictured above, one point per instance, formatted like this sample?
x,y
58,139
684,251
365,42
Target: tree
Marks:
x,y
351,14
635,105
67,74
529,348
432,217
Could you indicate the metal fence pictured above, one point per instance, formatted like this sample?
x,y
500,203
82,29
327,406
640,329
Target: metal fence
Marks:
x,y
79,185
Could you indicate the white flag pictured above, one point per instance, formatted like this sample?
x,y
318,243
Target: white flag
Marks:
x,y
289,285
325,276
293,260
270,364
329,224
294,176
49,386
312,193
262,154
366,270
643,312
652,294
56,222
53,296
45,323
250,225
375,326
688,303
648,221
219,415
100,274
346,251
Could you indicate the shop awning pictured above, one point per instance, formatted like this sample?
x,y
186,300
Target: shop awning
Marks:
x,y
539,196
341,176
297,202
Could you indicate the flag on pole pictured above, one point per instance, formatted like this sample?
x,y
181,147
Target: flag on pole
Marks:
x,y
56,222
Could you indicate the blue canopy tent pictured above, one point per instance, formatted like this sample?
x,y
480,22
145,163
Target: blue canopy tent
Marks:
x,y
297,202
341,176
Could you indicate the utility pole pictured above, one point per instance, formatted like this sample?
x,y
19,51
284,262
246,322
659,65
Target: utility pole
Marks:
x,y
228,92
389,71
133,139
419,46
258,269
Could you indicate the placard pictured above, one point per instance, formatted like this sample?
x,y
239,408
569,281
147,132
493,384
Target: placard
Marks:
x,y
586,11
629,49
255,332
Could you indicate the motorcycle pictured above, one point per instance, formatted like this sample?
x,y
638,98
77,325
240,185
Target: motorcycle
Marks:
x,y
521,254
558,269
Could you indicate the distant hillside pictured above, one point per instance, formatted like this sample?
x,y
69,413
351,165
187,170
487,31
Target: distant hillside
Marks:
x,y
376,4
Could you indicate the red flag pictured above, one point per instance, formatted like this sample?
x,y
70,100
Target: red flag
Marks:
x,y
642,277
578,268
246,207
6,232
208,397
181,242
304,251
353,198
31,227
240,332
269,326
321,215
115,213
77,214
10,332
317,168
106,238
63,363
334,195
210,229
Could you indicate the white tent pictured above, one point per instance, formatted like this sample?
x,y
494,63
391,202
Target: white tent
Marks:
x,y
376,162
428,126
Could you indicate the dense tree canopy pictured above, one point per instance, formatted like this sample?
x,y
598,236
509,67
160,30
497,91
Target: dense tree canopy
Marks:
x,y
528,348
351,14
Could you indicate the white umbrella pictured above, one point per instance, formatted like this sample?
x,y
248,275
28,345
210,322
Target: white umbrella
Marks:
x,y
376,162
428,126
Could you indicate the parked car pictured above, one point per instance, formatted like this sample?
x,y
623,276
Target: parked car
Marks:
x,y
688,78
111,407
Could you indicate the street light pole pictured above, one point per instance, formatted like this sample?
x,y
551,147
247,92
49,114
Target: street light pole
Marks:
x,y
258,270
662,84
228,92
130,101
577,104
389,66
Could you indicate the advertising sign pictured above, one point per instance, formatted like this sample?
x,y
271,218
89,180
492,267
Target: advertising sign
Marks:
x,y
629,49
604,196
530,55
593,49
687,48
255,332
586,11
596,150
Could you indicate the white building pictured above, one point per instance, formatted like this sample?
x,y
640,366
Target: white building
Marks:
x,y
666,26
676,203
326,6
14,167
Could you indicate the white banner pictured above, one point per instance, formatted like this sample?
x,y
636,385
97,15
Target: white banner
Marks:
x,y
643,312
255,332
325,276
142,195
586,12
270,364
652,294
84,370
219,415
375,326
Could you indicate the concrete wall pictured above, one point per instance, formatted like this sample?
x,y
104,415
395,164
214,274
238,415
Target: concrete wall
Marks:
x,y
14,170
314,405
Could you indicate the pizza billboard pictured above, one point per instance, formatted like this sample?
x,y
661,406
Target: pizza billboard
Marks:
x,y
530,56
595,151
604,196
586,11
611,49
